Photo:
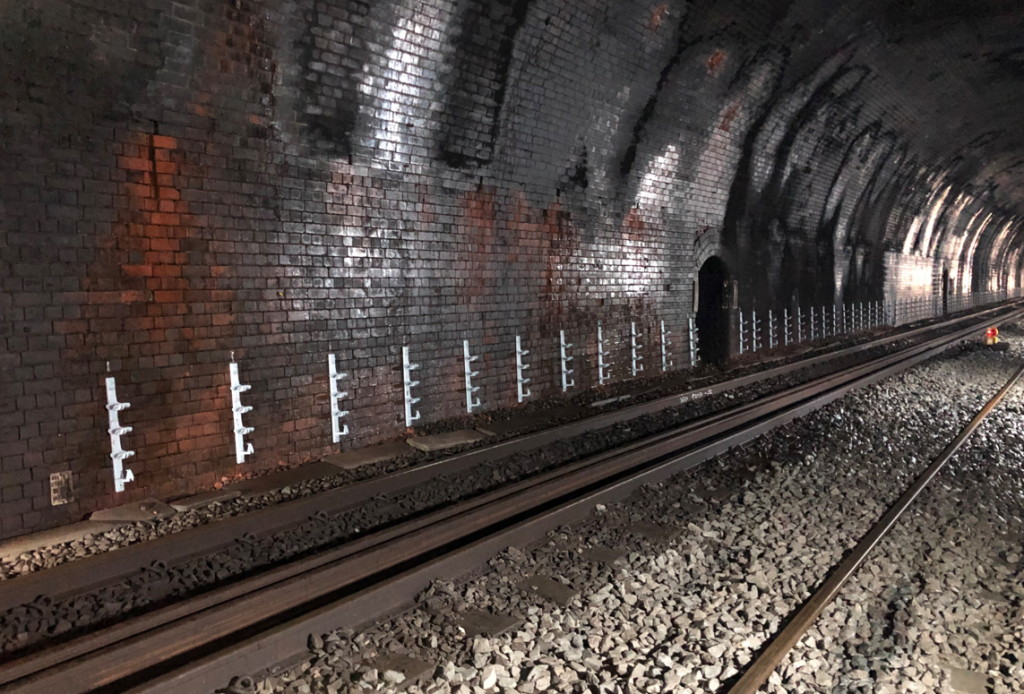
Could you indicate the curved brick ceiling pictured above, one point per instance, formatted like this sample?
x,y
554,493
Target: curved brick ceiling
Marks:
x,y
958,69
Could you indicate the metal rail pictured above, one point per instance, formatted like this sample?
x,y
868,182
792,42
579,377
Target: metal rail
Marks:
x,y
783,642
281,602
74,577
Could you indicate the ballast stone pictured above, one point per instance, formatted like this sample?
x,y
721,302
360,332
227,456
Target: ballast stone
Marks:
x,y
75,532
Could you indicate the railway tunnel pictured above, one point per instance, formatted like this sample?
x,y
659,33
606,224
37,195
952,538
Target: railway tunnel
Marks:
x,y
604,301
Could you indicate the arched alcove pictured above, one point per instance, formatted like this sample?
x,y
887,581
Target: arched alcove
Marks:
x,y
714,292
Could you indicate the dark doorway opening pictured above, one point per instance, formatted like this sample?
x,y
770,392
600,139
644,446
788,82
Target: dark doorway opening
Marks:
x,y
945,290
713,296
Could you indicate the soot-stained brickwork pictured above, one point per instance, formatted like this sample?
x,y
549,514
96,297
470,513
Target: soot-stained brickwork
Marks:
x,y
183,183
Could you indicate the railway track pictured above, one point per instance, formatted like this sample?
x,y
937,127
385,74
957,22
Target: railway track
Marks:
x,y
195,645
802,620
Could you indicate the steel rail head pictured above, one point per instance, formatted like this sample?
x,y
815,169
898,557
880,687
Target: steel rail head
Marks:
x,y
770,658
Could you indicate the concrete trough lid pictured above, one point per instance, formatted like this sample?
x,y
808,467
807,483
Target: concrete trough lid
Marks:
x,y
651,531
449,439
602,555
532,420
411,670
350,460
145,510
190,503
477,623
548,588
279,480
967,681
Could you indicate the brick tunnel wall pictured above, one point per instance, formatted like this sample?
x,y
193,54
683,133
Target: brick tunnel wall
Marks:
x,y
186,182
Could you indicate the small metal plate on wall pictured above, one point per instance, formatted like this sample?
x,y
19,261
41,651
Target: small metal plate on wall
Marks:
x,y
61,491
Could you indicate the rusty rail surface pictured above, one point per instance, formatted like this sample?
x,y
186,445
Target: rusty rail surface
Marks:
x,y
196,644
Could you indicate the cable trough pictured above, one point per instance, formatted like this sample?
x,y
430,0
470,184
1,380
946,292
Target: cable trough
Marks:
x,y
195,645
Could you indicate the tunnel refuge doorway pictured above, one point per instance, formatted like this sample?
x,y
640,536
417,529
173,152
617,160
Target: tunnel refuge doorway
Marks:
x,y
713,293
945,290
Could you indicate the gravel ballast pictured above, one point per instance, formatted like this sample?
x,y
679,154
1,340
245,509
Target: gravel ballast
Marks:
x,y
750,536
938,605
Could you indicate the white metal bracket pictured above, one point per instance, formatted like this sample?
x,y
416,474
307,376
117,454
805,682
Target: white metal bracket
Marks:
x,y
666,358
567,383
337,428
602,356
116,431
521,381
467,360
635,348
694,338
407,369
242,449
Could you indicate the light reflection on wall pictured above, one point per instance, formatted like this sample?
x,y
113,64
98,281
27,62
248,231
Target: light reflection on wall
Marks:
x,y
929,229
970,241
400,88
657,193
995,254
658,182
916,278
1013,270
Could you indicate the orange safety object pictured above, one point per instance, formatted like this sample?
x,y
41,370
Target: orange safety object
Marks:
x,y
992,336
